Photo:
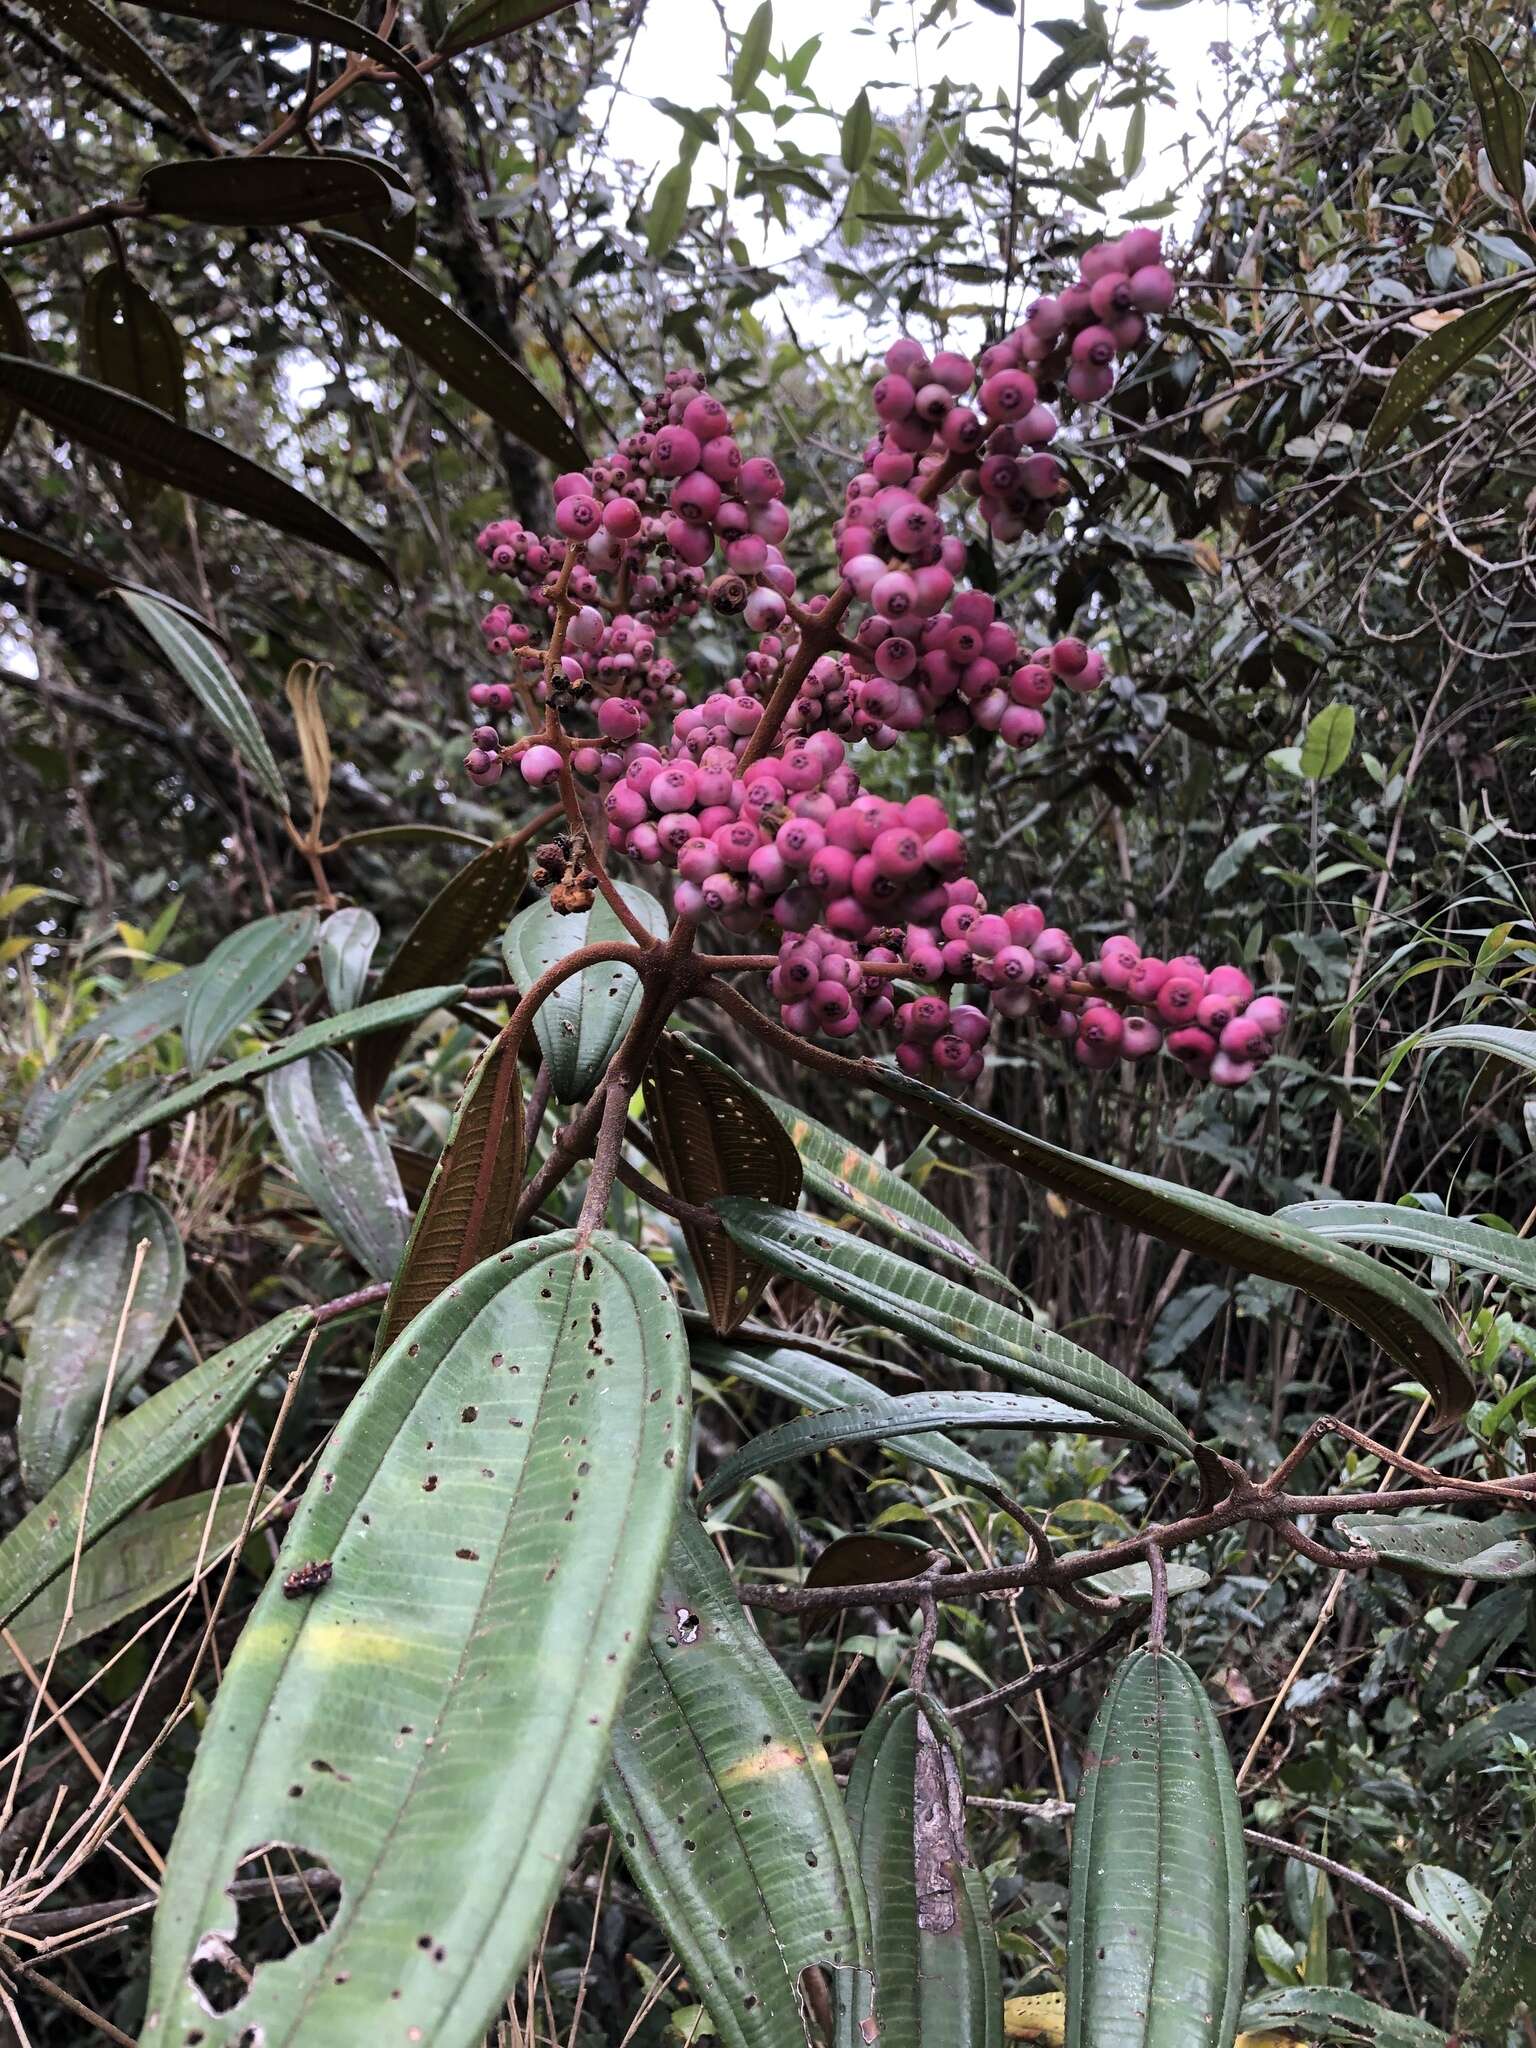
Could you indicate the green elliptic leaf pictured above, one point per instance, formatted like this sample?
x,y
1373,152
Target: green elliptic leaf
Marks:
x,y
1485,1632
496,1509
1435,360
15,339
752,51
1501,1983
263,191
1338,2016
482,21
301,18
896,1415
587,1018
100,1127
901,1296
1326,743
456,926
858,132
1474,1245
150,1556
715,1135
341,1160
132,1022
1477,1739
1455,1905
1157,1936
846,1178
1496,1040
1503,116
467,1212
126,430
127,341
102,37
138,1452
1448,1546
669,206
723,1804
1401,1318
462,354
347,942
75,1327
818,1384
1133,1582
239,975
204,670
936,1968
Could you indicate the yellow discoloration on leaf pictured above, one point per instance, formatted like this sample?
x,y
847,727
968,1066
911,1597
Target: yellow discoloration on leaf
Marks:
x,y
1043,2018
330,1643
776,1756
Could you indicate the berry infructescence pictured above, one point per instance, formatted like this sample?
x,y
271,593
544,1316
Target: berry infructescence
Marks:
x,y
862,891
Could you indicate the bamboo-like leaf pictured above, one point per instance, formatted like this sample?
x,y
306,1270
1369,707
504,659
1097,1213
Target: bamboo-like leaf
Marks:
x,y
194,657
723,1804
1158,1921
1501,1983
1484,1633
463,355
1455,1905
150,1556
341,1160
1434,360
715,1135
897,1415
467,1211
239,975
858,132
752,52
1474,1245
302,18
818,1384
139,1451
102,1127
1339,2016
15,340
482,21
898,1295
263,191
102,37
347,942
1503,114
76,1324
1398,1316
1448,1546
587,1018
1498,1041
136,435
1482,1736
936,1967
456,926
496,1509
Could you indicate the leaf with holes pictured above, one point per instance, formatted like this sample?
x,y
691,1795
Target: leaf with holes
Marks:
x,y
239,975
195,658
1339,2016
263,191
347,942
1474,1245
138,1452
818,1384
898,1295
126,430
1398,1316
715,1135
896,1415
463,355
456,926
495,1510
1435,360
15,339
1503,114
723,1804
341,1160
1448,1546
936,1966
150,1556
1158,1920
482,21
1455,1905
1501,1983
467,1211
109,46
302,18
75,1328
585,1021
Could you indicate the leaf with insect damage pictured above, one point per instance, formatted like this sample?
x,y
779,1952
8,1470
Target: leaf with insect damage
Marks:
x,y
340,1159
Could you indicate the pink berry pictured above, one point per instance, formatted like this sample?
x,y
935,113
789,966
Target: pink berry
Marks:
x,y
1269,1013
539,764
1152,288
578,518
675,452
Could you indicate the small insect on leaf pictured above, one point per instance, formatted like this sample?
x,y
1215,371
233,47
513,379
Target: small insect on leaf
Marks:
x,y
308,1578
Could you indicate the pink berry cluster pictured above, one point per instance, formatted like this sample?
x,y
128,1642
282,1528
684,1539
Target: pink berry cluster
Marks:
x,y
1073,339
